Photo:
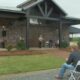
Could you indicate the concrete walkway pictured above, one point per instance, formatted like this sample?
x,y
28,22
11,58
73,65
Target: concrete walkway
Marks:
x,y
37,75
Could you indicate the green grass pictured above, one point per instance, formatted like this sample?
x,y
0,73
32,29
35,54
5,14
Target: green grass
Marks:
x,y
17,64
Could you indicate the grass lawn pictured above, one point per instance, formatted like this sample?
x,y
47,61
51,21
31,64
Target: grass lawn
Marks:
x,y
17,64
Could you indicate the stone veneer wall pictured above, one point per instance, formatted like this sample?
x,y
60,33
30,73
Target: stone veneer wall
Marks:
x,y
14,32
49,32
65,34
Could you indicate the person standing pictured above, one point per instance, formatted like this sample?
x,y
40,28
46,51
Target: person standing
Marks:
x,y
40,41
57,44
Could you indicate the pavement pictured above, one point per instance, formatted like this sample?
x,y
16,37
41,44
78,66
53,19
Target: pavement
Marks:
x,y
36,75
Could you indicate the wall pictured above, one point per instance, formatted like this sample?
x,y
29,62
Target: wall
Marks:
x,y
49,32
14,32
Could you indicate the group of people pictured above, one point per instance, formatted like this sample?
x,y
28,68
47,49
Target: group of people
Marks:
x,y
48,43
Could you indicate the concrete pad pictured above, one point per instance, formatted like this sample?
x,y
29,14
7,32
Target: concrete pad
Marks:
x,y
37,75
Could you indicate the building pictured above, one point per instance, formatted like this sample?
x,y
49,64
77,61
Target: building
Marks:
x,y
74,32
32,19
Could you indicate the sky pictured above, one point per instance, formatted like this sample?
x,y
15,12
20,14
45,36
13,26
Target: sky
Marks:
x,y
71,7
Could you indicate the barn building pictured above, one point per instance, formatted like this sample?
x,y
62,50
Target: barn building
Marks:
x,y
34,18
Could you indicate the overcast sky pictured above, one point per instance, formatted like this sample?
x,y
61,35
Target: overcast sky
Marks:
x,y
71,7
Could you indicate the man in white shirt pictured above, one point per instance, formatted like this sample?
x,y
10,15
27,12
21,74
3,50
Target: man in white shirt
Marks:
x,y
40,41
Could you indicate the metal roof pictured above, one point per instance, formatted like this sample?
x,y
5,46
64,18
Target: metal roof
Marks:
x,y
11,9
72,21
31,3
73,30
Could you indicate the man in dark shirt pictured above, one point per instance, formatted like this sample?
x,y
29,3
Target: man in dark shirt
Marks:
x,y
70,62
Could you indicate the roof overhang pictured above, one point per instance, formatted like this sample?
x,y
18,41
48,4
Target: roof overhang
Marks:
x,y
73,30
64,20
11,14
70,20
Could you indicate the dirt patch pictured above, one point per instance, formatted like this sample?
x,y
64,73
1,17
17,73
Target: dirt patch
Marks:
x,y
56,52
20,52
60,53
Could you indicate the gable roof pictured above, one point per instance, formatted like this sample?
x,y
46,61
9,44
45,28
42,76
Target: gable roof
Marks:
x,y
31,3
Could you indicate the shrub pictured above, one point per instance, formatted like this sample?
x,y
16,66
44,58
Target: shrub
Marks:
x,y
64,44
21,45
9,47
78,42
75,39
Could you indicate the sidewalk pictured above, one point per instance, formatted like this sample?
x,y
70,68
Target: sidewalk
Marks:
x,y
37,75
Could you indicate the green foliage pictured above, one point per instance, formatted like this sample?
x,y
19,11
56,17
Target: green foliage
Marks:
x,y
75,39
9,47
21,45
64,44
78,42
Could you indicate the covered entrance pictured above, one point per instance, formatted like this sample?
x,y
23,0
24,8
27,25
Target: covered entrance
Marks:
x,y
48,20
35,18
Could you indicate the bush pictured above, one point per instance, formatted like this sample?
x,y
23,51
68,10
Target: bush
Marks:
x,y
9,47
75,39
21,45
64,44
78,43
